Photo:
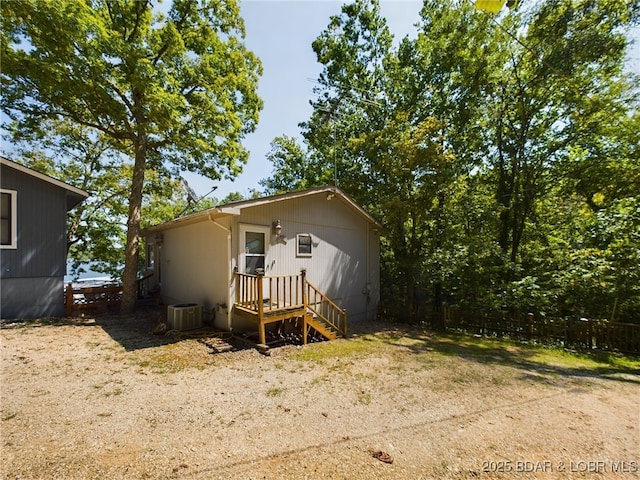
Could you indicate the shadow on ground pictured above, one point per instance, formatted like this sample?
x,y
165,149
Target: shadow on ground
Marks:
x,y
536,362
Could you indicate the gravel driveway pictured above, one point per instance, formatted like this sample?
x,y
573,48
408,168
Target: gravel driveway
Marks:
x,y
104,398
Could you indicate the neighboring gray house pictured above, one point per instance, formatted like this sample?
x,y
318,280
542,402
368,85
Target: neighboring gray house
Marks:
x,y
242,262
33,243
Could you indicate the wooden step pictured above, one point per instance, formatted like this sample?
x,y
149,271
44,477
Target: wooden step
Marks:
x,y
323,329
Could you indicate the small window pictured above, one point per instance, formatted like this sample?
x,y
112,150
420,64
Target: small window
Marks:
x,y
304,245
8,220
151,255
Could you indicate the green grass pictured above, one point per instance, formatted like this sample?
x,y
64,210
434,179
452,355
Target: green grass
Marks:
x,y
430,350
585,361
318,352
275,392
509,353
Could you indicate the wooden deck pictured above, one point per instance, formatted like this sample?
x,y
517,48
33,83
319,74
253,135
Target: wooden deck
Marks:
x,y
266,300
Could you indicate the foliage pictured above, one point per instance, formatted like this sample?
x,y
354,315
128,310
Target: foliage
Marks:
x,y
500,153
173,92
96,228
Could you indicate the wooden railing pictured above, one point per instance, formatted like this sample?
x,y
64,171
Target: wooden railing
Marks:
x,y
267,294
321,306
82,298
91,298
144,285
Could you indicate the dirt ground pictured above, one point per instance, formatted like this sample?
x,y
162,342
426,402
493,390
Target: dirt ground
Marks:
x,y
104,398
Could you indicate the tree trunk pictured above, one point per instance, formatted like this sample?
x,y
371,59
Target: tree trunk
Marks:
x,y
129,280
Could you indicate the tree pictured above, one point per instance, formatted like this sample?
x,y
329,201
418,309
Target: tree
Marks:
x,y
96,228
498,151
292,167
562,73
174,92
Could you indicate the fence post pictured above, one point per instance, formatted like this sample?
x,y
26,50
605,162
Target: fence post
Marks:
x,y
68,300
590,333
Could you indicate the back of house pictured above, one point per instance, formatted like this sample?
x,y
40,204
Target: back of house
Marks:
x,y
196,258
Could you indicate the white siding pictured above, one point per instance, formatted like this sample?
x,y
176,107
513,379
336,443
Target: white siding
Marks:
x,y
344,256
195,268
198,258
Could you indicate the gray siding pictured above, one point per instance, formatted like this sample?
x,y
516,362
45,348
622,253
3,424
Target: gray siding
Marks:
x,y
41,247
32,297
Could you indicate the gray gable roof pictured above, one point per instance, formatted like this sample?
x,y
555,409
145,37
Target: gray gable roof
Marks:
x,y
74,195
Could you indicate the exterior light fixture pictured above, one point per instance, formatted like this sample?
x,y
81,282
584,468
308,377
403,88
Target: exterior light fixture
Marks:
x,y
277,228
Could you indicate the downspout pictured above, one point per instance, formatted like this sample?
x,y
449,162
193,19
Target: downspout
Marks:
x,y
368,273
229,304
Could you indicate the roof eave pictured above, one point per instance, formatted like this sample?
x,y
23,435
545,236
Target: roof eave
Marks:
x,y
74,195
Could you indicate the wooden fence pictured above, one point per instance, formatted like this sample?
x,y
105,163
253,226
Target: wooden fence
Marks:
x,y
82,298
580,334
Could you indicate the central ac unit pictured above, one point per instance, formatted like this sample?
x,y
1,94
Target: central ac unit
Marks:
x,y
184,316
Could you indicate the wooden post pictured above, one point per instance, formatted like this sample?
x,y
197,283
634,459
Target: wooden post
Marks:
x,y
303,286
303,275
344,327
262,338
304,329
68,302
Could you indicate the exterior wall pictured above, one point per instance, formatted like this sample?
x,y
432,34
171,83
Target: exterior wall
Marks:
x,y
345,255
32,297
195,268
32,274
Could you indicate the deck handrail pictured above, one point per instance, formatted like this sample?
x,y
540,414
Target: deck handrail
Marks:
x,y
264,294
274,292
322,306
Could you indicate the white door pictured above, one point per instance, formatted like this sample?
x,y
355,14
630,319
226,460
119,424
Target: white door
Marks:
x,y
253,248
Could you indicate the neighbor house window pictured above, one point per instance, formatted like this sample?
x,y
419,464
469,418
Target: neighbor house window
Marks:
x,y
8,219
151,255
303,245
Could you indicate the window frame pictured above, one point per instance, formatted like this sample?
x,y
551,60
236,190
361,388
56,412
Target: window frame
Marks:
x,y
13,220
304,254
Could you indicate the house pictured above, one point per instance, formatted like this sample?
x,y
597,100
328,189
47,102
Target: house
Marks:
x,y
33,246
309,256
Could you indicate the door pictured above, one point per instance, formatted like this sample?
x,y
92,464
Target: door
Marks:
x,y
253,248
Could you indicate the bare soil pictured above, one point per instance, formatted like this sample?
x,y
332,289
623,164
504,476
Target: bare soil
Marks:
x,y
102,397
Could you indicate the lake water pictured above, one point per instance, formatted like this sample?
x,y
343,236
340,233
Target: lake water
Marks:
x,y
89,277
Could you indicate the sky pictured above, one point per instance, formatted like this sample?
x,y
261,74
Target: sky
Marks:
x,y
280,33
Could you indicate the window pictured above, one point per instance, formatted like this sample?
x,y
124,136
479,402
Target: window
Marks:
x,y
254,251
303,245
150,255
8,221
